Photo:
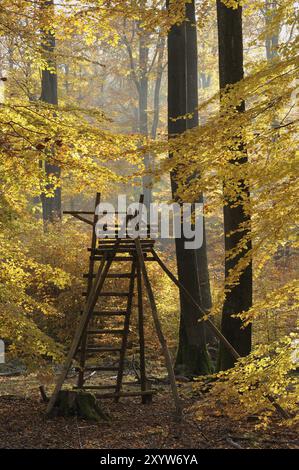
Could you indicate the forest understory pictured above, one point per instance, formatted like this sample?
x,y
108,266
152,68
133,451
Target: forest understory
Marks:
x,y
149,224
24,425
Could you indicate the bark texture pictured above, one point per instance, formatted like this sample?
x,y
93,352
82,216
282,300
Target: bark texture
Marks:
x,y
192,357
239,297
49,94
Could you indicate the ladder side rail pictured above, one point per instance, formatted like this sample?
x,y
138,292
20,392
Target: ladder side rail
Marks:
x,y
91,301
143,379
87,312
89,286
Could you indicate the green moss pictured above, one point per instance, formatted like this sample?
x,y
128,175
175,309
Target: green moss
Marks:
x,y
79,403
192,361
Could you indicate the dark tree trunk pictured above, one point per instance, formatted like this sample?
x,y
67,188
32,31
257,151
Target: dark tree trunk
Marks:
x,y
239,297
51,205
192,107
192,358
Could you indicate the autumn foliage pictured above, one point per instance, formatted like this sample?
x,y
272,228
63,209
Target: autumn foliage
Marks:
x,y
92,138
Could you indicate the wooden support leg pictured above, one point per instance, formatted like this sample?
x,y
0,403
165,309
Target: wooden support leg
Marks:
x,y
160,334
143,380
126,332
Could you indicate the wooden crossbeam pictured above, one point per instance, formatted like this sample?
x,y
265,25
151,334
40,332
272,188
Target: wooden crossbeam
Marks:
x,y
79,217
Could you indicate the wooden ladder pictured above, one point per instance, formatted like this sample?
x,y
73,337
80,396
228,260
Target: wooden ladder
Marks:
x,y
103,254
109,252
97,330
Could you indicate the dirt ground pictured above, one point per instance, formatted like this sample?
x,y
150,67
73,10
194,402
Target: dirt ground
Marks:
x,y
23,424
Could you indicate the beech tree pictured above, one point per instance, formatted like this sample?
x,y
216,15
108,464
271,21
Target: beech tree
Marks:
x,y
148,65
49,94
238,298
90,136
192,357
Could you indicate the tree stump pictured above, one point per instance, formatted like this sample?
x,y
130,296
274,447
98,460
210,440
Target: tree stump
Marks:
x,y
79,403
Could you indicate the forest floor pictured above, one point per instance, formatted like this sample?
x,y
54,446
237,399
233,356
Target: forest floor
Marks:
x,y
23,424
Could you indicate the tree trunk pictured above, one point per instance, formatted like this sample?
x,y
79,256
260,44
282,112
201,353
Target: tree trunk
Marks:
x,y
157,90
192,357
271,42
51,205
192,107
140,78
238,298
143,116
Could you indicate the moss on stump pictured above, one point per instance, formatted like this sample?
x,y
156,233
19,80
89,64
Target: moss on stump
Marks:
x,y
79,403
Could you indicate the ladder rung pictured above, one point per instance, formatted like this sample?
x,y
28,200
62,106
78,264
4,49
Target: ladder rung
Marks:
x,y
115,223
99,368
128,250
107,387
114,294
119,276
79,212
110,294
122,258
111,276
102,349
104,331
126,241
123,243
108,247
125,394
93,212
107,313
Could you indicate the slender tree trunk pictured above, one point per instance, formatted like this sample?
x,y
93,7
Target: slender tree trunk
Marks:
x,y
143,114
157,89
271,42
66,79
51,205
141,81
271,45
239,297
192,357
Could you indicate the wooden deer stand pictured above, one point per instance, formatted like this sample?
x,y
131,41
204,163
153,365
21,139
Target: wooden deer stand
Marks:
x,y
104,253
